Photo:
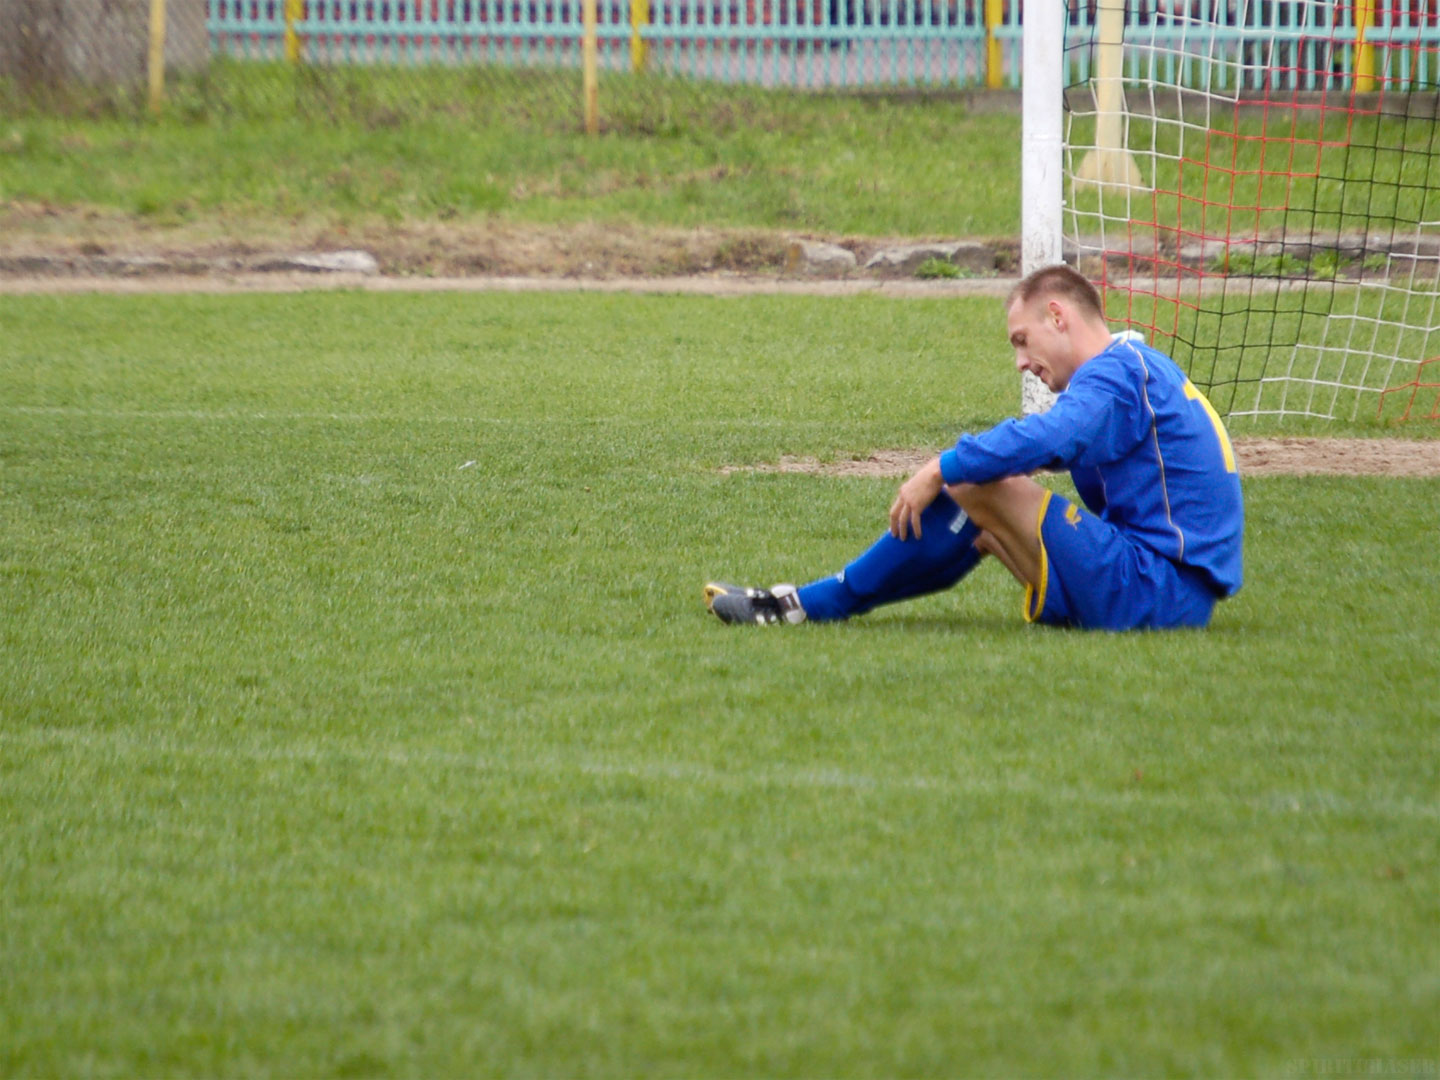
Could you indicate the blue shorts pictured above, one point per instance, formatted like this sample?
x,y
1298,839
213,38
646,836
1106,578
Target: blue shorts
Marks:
x,y
1092,575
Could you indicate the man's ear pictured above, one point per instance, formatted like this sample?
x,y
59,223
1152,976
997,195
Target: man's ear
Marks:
x,y
1057,314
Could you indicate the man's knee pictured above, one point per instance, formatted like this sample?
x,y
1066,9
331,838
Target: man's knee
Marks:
x,y
1008,513
1002,504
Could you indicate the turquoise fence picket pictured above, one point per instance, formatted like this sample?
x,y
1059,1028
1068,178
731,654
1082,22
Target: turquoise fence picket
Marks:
x,y
1199,44
803,43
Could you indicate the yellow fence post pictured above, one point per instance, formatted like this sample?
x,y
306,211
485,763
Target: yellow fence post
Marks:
x,y
590,59
1364,51
294,12
157,54
1110,164
994,57
639,16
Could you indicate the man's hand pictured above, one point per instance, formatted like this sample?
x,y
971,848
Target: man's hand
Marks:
x,y
915,495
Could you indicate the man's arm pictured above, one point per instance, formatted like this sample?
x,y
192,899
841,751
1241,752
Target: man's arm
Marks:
x,y
915,495
1098,413
1049,440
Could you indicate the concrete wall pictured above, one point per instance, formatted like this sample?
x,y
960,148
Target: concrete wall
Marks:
x,y
100,42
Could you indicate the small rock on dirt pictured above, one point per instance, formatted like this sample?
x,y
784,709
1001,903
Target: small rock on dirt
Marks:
x,y
818,259
903,261
325,262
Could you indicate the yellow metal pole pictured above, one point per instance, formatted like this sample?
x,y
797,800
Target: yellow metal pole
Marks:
x,y
994,58
639,51
1364,51
590,58
157,54
1110,164
294,12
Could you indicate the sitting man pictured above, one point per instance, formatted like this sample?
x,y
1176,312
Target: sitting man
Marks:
x,y
1158,541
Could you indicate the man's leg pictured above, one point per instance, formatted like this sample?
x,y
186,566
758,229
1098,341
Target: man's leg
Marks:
x,y
958,529
988,545
891,570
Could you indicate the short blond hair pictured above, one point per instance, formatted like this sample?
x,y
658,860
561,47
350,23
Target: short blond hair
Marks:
x,y
1059,282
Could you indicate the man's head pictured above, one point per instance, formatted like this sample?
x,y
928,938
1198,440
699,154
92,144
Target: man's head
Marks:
x,y
1056,323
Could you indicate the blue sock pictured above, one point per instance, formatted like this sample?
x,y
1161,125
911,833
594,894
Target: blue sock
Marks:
x,y
894,570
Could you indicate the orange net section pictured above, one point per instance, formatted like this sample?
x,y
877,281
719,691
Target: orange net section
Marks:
x,y
1417,389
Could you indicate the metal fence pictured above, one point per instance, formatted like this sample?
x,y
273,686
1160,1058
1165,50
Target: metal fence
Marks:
x,y
1306,44
809,43
1301,44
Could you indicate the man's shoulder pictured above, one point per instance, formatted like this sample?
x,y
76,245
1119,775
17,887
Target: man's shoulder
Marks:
x,y
1120,368
1132,363
1134,350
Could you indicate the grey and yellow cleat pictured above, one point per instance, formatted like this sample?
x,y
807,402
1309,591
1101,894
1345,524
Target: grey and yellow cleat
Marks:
x,y
765,607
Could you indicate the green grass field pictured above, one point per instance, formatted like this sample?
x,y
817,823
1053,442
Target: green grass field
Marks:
x,y
259,147
359,716
250,146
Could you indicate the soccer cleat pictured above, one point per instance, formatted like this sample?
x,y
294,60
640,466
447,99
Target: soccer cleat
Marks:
x,y
765,607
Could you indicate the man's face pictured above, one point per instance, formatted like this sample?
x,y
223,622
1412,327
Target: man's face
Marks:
x,y
1041,346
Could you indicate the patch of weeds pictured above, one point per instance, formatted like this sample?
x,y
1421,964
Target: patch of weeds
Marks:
x,y
1326,264
1283,265
934,268
1237,263
1248,264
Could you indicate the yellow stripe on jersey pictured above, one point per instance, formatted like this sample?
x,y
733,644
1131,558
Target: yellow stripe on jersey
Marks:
x,y
1220,433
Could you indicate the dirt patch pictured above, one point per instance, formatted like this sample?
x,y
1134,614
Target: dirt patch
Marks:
x,y
724,283
1257,457
1338,457
443,249
884,463
460,248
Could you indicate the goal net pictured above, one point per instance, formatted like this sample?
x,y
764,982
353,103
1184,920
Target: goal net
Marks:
x,y
1255,184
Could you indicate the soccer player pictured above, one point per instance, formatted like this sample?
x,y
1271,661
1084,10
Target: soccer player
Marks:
x,y
1157,542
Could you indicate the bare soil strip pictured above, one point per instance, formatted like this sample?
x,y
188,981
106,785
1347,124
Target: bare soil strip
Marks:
x,y
1257,457
719,284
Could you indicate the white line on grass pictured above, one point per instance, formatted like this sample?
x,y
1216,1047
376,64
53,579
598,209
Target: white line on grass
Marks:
x,y
387,418
227,415
1275,803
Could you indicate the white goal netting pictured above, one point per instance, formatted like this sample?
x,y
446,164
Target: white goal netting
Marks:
x,y
1256,184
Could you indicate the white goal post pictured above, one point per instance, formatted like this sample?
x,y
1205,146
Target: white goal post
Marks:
x,y
1041,157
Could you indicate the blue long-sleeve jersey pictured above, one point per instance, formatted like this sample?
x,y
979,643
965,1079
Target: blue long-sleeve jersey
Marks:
x,y
1146,451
